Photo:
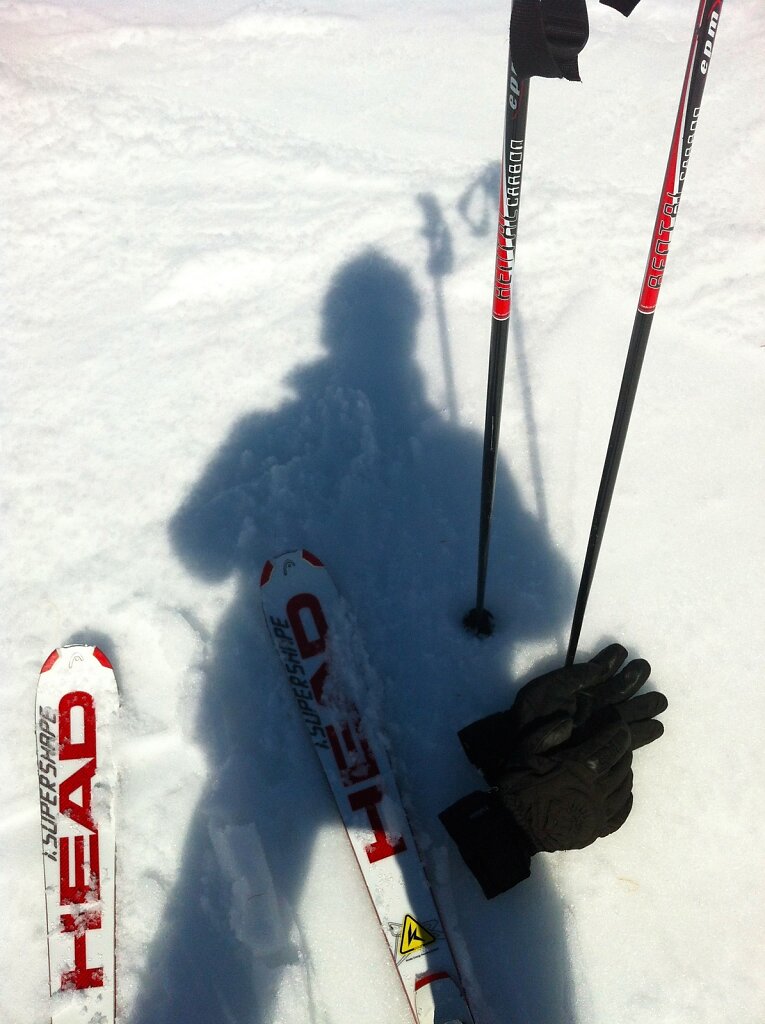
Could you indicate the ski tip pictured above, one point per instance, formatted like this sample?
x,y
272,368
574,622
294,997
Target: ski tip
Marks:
x,y
479,621
287,561
84,649
50,661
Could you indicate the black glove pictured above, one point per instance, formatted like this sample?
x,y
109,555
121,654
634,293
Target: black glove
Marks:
x,y
569,796
559,762
567,704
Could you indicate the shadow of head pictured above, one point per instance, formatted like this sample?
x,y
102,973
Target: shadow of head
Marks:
x,y
369,319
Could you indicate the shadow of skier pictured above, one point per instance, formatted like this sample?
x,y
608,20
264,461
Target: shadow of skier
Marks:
x,y
361,469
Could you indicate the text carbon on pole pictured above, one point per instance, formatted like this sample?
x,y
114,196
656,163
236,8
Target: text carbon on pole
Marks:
x,y
479,620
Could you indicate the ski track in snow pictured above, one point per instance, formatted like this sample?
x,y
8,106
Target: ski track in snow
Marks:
x,y
247,256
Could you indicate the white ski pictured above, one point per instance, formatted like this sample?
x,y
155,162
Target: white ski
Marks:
x,y
77,704
303,610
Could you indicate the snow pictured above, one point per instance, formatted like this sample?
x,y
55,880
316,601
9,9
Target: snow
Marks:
x,y
227,336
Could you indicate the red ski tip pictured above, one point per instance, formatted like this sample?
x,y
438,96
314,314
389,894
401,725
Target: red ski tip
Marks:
x,y
50,661
265,576
101,658
312,559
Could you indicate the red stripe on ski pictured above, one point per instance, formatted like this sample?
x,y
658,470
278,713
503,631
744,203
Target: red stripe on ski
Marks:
x,y
101,658
265,576
312,559
428,979
50,661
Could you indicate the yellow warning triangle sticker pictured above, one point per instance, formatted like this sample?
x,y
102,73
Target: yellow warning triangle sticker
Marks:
x,y
413,936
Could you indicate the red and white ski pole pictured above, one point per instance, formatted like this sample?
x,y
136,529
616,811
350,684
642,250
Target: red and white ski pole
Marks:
x,y
682,140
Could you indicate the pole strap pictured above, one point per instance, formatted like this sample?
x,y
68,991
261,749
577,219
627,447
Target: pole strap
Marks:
x,y
547,36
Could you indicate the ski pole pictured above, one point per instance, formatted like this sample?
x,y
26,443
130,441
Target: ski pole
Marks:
x,y
440,263
682,140
479,620
546,42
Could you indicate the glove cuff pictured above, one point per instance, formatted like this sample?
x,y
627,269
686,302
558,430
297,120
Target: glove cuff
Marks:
x,y
490,842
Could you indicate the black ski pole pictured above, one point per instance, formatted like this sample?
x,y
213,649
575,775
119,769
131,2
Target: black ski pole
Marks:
x,y
546,42
479,619
674,179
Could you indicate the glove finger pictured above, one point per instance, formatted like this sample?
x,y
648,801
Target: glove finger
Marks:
x,y
610,659
619,818
608,689
620,796
645,732
647,705
565,689
555,692
549,733
616,776
601,751
623,685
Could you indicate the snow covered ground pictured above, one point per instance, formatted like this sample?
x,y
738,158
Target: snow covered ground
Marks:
x,y
247,250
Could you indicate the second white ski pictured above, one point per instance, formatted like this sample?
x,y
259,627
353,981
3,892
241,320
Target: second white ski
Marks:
x,y
301,606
